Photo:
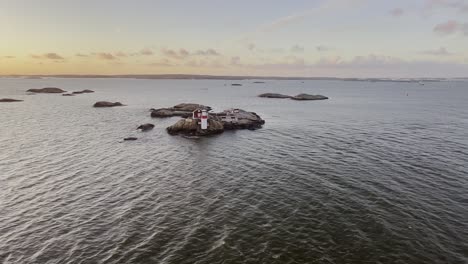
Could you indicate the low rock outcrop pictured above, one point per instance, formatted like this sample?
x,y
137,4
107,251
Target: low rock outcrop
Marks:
x,y
183,110
218,122
84,91
107,104
274,95
189,126
130,139
299,97
47,90
305,97
146,127
68,94
9,100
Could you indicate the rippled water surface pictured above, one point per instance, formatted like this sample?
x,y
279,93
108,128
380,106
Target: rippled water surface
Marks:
x,y
376,174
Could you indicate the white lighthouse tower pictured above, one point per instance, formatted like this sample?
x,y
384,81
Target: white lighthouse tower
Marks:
x,y
204,119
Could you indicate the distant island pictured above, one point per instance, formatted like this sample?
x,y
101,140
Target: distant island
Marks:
x,y
227,77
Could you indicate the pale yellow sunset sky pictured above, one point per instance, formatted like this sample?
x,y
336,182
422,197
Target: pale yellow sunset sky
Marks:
x,y
347,38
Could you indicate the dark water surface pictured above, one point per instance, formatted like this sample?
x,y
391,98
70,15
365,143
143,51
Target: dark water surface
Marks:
x,y
376,174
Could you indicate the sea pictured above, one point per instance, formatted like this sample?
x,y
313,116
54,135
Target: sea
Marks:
x,y
378,173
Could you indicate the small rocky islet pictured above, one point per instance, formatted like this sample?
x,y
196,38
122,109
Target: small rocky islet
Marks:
x,y
9,100
230,119
53,90
299,97
107,104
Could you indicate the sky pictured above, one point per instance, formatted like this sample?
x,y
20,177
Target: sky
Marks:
x,y
314,38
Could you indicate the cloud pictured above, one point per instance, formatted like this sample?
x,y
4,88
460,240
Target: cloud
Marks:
x,y
325,7
323,48
146,52
9,57
120,54
459,5
397,12
438,52
284,21
208,52
451,27
162,63
105,56
251,46
81,55
48,56
297,49
180,54
53,56
235,61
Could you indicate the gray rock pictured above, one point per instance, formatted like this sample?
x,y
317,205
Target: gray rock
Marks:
x,y
84,91
130,138
274,95
107,104
190,127
9,100
183,110
304,97
68,94
146,127
46,90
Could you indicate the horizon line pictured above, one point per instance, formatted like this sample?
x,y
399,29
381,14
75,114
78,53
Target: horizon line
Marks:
x,y
221,77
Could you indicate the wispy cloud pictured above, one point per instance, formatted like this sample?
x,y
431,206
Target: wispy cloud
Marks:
x,y
146,52
397,12
323,48
162,63
48,56
459,5
442,51
236,60
297,49
105,56
176,54
451,27
121,54
81,55
9,57
208,52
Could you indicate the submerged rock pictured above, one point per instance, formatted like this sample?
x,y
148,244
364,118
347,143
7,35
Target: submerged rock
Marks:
x,y
183,110
146,127
47,90
107,104
304,97
274,95
190,127
9,100
84,91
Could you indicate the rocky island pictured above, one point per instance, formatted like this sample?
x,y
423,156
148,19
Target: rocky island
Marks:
x,y
299,97
183,110
46,90
84,91
274,95
9,100
107,104
306,97
190,124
